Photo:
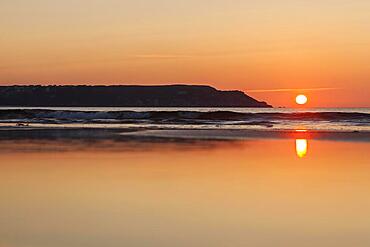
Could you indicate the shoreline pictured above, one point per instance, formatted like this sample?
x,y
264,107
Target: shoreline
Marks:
x,y
124,134
231,134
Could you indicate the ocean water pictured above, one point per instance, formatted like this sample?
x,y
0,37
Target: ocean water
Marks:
x,y
327,119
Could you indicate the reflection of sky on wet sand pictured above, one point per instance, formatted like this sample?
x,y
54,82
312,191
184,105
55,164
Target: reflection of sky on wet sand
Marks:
x,y
243,193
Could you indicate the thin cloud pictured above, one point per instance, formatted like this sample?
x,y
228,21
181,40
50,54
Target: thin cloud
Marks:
x,y
293,89
161,56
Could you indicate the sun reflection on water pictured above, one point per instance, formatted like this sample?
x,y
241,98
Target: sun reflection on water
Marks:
x,y
301,146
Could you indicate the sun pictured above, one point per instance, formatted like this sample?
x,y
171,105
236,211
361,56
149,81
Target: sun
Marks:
x,y
301,99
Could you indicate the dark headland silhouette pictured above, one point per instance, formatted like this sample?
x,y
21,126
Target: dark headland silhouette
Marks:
x,y
124,96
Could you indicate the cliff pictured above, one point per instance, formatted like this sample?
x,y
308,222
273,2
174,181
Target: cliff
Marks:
x,y
124,96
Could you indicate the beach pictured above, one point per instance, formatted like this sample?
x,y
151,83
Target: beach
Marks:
x,y
184,177
184,123
113,187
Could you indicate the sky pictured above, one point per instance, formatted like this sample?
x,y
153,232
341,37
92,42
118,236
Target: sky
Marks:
x,y
270,49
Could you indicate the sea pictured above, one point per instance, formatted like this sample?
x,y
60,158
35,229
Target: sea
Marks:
x,y
325,119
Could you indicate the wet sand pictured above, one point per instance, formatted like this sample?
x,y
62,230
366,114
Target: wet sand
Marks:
x,y
145,189
126,134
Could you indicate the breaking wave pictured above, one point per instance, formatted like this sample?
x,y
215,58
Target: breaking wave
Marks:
x,y
178,117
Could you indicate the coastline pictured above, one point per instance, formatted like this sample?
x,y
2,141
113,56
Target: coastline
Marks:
x,y
232,134
124,134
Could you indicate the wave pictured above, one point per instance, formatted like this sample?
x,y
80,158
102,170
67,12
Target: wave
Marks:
x,y
181,117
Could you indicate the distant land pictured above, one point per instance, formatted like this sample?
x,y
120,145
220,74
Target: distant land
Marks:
x,y
124,96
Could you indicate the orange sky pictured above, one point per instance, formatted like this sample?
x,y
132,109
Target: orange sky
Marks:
x,y
241,44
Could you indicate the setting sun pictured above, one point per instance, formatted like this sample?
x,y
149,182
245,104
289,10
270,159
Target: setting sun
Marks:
x,y
301,99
